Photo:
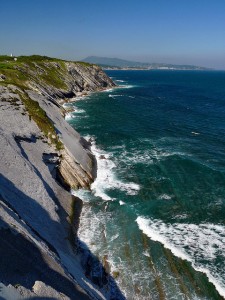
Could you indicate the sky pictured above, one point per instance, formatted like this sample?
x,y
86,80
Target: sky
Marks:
x,y
168,31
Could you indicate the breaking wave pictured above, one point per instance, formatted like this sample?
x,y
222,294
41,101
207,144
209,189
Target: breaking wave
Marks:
x,y
199,244
106,176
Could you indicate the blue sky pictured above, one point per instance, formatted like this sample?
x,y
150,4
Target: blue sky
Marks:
x,y
171,31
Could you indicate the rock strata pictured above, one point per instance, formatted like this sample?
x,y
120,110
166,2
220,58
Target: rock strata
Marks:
x,y
42,157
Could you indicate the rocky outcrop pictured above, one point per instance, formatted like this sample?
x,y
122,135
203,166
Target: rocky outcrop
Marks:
x,y
67,79
77,164
40,156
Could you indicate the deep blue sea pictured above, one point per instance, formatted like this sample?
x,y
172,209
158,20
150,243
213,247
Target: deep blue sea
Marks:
x,y
157,208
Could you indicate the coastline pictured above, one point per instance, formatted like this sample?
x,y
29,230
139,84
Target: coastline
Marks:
x,y
41,162
36,207
98,271
204,275
104,276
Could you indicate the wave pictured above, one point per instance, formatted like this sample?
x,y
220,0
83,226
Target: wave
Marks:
x,y
78,110
72,114
128,86
69,116
82,97
90,229
114,96
108,90
148,156
165,197
201,245
106,176
122,202
120,80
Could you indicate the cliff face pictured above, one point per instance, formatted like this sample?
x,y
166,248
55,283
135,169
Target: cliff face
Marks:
x,y
40,155
42,84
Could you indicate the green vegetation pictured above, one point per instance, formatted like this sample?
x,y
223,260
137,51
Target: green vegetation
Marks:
x,y
86,64
42,71
25,59
13,76
53,77
41,119
36,58
4,65
4,58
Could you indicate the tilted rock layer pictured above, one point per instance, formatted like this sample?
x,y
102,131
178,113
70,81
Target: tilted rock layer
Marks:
x,y
40,156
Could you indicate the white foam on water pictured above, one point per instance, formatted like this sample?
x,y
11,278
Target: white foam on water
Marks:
x,y
147,156
194,243
78,110
128,86
83,194
91,227
106,176
161,153
165,197
114,96
108,90
120,80
94,233
122,202
145,253
69,116
135,157
114,237
182,216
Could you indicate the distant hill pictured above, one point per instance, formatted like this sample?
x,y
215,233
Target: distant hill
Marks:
x,y
117,63
114,62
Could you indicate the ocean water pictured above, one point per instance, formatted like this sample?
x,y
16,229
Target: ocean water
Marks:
x,y
157,208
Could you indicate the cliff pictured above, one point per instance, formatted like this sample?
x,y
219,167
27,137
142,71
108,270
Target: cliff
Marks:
x,y
42,157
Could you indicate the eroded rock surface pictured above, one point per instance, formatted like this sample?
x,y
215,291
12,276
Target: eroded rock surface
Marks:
x,y
40,156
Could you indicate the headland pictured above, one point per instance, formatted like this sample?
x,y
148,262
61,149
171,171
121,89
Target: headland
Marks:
x,y
42,159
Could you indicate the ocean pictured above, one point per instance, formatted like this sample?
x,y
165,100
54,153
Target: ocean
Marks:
x,y
157,208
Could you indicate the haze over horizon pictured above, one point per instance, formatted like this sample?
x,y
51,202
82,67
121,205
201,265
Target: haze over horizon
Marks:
x,y
174,32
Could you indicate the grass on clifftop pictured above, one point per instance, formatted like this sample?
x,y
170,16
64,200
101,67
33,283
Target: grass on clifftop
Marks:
x,y
43,70
25,59
40,71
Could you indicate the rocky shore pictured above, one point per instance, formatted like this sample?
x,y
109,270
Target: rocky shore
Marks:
x,y
42,158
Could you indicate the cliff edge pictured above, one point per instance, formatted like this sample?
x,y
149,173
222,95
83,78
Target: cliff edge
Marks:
x,y
42,157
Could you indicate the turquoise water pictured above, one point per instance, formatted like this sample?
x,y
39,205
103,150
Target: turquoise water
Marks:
x,y
157,208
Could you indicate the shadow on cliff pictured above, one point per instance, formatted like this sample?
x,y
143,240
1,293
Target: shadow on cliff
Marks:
x,y
33,139
23,263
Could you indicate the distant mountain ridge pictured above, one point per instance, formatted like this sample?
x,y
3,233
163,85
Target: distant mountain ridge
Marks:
x,y
117,63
